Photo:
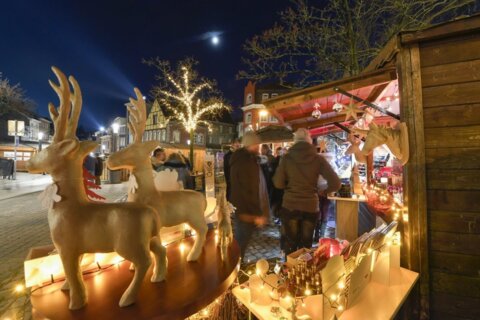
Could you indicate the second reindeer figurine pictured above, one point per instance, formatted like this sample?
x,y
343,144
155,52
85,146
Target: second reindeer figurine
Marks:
x,y
172,207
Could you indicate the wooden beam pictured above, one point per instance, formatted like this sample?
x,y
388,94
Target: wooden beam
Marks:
x,y
443,30
326,89
367,103
415,232
320,122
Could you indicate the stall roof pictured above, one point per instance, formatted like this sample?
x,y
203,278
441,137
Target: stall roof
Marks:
x,y
295,108
275,133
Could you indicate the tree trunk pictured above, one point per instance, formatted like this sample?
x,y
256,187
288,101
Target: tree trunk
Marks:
x,y
191,149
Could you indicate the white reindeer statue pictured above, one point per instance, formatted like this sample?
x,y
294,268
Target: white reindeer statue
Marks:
x,y
78,226
172,207
224,209
396,140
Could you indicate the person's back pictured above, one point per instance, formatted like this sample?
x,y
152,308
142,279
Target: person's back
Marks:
x,y
298,174
301,167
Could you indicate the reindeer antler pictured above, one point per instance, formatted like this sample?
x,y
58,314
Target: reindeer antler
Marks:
x,y
76,100
138,116
64,122
60,116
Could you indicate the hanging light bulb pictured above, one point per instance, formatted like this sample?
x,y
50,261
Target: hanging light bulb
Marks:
x,y
337,107
316,113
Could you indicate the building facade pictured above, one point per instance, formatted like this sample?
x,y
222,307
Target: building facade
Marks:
x,y
36,134
255,115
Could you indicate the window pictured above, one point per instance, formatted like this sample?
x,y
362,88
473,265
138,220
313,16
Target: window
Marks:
x,y
176,136
249,99
274,95
155,119
273,119
198,138
230,130
264,96
248,117
164,135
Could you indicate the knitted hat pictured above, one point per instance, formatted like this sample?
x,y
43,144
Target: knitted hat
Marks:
x,y
302,134
250,138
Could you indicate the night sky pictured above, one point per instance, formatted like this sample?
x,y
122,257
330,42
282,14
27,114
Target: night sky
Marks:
x,y
102,44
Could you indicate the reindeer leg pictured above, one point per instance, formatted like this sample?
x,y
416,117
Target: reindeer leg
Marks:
x,y
71,265
161,262
65,286
201,229
142,262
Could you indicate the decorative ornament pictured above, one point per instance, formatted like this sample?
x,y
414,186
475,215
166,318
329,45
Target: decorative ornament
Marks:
x,y
169,205
132,184
316,113
262,267
352,110
49,196
322,145
337,107
89,184
396,140
63,160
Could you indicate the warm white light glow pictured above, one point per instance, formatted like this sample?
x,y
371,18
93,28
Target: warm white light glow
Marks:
x,y
340,308
19,288
263,113
341,285
102,128
333,297
115,127
308,292
182,247
184,103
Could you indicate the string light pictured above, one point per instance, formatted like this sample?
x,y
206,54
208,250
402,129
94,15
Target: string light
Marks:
x,y
19,288
340,308
333,297
186,107
182,247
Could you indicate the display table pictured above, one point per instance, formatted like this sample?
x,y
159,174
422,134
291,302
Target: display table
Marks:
x,y
346,217
189,287
376,302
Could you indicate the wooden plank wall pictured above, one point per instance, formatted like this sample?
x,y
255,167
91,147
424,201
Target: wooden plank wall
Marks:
x,y
450,76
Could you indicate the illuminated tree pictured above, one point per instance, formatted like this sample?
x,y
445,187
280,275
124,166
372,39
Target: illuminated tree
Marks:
x,y
189,98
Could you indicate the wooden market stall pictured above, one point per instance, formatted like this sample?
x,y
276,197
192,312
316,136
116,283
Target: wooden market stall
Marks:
x,y
437,73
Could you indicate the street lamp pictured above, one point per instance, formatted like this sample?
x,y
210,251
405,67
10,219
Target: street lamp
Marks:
x,y
40,137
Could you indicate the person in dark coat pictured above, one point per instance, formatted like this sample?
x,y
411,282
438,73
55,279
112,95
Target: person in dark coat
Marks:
x,y
248,190
277,194
98,169
226,164
298,174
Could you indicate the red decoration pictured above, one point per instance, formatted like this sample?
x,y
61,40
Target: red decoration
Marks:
x,y
89,184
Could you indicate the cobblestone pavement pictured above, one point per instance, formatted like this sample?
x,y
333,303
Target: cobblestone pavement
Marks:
x,y
23,225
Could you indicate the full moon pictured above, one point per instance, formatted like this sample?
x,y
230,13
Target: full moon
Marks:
x,y
215,40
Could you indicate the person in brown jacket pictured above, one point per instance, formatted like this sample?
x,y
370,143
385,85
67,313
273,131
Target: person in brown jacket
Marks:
x,y
248,192
298,174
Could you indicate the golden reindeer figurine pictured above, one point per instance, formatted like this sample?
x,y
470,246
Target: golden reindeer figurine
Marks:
x,y
172,207
78,226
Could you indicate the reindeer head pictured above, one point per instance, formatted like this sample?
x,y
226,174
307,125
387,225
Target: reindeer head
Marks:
x,y
65,148
395,139
376,136
135,154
